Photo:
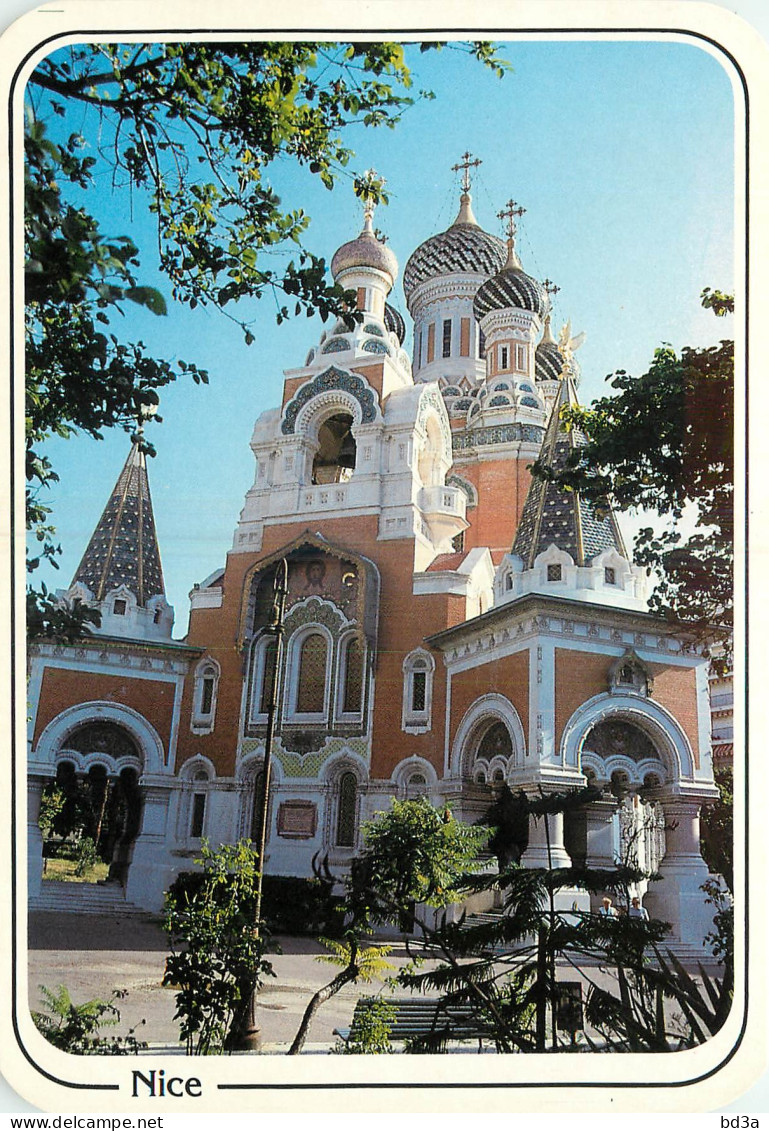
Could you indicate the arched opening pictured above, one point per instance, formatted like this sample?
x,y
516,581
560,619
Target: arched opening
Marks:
x,y
311,683
346,814
429,462
90,818
334,460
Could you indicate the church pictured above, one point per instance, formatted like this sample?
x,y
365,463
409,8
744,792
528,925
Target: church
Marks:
x,y
451,624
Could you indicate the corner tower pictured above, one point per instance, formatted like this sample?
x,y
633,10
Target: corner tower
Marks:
x,y
120,572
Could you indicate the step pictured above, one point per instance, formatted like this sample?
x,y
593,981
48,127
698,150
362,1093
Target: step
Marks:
x,y
82,899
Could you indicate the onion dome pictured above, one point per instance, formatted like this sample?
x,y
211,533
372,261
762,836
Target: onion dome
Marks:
x,y
464,248
393,320
365,251
548,359
510,287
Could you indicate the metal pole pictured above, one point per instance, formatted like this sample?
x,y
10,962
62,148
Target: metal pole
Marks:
x,y
248,1036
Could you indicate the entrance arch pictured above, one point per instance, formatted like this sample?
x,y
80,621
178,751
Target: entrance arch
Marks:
x,y
97,753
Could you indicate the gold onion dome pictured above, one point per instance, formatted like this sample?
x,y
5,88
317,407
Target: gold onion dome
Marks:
x,y
365,251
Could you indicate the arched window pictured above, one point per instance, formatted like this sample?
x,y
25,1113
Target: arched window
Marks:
x,y
351,669
267,674
204,696
311,676
418,669
334,460
198,808
346,813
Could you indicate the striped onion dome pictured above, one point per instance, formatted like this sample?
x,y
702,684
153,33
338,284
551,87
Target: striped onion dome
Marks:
x,y
464,248
548,359
511,287
365,251
393,320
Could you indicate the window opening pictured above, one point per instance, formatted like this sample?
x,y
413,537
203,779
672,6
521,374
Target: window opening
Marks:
x,y
335,458
267,676
119,608
610,575
311,692
503,357
418,691
353,677
447,337
345,819
207,695
554,573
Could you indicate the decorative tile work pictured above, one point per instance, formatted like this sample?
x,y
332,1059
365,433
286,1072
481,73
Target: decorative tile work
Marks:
x,y
331,378
372,328
370,346
336,345
496,434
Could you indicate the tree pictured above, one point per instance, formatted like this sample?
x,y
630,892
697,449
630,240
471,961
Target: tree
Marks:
x,y
666,441
217,957
193,130
505,966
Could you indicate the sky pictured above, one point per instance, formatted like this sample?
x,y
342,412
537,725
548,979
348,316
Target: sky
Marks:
x,y
622,153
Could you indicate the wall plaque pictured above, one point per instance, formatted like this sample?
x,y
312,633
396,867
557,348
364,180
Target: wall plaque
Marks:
x,y
297,819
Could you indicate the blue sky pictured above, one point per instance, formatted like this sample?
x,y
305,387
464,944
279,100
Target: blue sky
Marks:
x,y
622,154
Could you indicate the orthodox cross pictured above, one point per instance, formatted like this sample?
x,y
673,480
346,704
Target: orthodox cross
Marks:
x,y
509,213
550,287
466,164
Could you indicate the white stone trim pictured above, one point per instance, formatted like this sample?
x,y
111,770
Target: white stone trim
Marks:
x,y
412,721
491,707
52,741
649,716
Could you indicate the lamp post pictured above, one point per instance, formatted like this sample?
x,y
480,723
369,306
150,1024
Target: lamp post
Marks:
x,y
247,1037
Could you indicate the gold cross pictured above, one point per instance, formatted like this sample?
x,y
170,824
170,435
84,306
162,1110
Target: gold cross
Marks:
x,y
466,164
509,212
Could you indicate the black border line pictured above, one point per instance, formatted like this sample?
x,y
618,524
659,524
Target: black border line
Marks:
x,y
274,34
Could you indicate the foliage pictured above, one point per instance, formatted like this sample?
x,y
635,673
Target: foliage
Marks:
x,y
75,1028
372,1030
217,956
194,131
663,442
51,804
300,906
505,966
717,828
79,377
417,853
86,856
358,964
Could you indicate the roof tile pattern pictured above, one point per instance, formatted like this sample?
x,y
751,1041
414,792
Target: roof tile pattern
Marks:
x,y
123,549
510,288
552,515
548,362
461,249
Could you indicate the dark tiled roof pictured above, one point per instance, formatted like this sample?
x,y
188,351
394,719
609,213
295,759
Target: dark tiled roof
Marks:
x,y
552,515
511,287
123,549
462,248
393,320
548,362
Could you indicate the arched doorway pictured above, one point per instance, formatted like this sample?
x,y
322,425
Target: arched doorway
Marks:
x,y
90,812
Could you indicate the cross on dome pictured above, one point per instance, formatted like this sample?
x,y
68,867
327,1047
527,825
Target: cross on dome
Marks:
x,y
466,164
509,213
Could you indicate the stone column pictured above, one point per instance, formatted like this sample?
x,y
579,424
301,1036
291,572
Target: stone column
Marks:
x,y
536,855
35,785
151,868
677,897
601,834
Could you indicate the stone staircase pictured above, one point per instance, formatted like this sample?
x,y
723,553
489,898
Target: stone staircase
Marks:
x,y
83,899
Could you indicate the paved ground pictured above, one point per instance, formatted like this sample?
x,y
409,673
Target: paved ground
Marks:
x,y
93,955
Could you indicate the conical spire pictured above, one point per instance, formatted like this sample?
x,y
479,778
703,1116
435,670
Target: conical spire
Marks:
x,y
123,549
552,515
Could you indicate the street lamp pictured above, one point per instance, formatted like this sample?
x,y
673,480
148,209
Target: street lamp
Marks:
x,y
247,1037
